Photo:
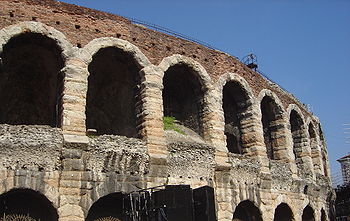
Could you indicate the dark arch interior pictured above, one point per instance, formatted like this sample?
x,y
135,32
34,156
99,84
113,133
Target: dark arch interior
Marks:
x,y
323,215
312,132
321,133
296,124
270,113
113,90
324,162
31,82
308,214
283,213
313,140
235,102
27,202
247,211
107,206
183,97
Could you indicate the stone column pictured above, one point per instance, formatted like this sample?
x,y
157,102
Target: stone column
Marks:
x,y
70,184
74,97
316,155
252,135
151,114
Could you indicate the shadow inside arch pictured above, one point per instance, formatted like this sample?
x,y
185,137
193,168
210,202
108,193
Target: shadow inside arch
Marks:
x,y
26,204
107,208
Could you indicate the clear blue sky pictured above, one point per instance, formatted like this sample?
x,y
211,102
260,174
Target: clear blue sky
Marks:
x,y
303,45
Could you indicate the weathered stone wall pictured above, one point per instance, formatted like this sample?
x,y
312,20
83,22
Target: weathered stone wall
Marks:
x,y
74,169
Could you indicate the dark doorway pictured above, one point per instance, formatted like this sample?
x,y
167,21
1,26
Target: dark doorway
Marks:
x,y
26,203
31,82
113,90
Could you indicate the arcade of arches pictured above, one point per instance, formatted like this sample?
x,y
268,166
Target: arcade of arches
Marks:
x,y
81,121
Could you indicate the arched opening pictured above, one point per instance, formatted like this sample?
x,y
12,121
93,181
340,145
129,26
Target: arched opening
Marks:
x,y
235,102
323,215
271,117
109,208
26,204
113,91
321,134
247,211
31,82
312,135
314,147
308,214
283,213
323,154
183,97
324,162
296,123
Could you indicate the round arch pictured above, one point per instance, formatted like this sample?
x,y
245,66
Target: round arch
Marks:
x,y
86,53
273,123
113,94
308,214
236,106
272,95
11,31
233,77
294,107
187,93
33,56
27,203
314,145
283,213
197,68
109,207
247,211
298,131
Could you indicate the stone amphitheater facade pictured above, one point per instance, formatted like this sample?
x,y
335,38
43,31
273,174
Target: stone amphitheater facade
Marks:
x,y
83,94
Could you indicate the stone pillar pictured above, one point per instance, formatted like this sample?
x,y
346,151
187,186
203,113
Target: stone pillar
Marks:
x,y
74,97
151,112
70,185
285,152
316,155
223,196
215,127
252,136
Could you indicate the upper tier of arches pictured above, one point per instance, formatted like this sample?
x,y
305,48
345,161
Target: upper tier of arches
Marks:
x,y
110,87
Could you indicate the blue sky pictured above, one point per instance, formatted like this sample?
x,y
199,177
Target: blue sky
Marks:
x,y
303,45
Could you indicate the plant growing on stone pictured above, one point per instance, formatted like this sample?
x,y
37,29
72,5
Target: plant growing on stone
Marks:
x,y
169,124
